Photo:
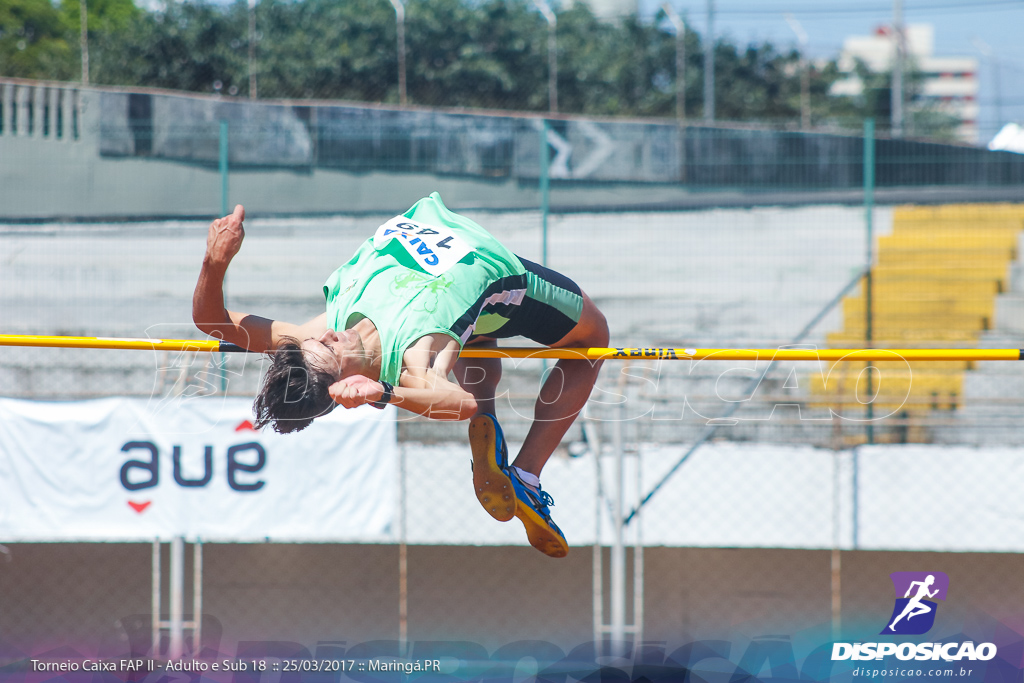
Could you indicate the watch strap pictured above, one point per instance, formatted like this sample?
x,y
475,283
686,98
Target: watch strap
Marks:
x,y
389,393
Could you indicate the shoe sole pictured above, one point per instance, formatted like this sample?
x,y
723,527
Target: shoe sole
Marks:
x,y
493,487
541,536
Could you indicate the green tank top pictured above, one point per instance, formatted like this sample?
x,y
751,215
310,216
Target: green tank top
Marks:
x,y
427,271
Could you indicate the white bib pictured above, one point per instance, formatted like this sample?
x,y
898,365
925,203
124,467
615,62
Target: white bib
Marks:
x,y
434,248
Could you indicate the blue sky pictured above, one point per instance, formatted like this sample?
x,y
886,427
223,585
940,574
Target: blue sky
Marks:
x,y
958,26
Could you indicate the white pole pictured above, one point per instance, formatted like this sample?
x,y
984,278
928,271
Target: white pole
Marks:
x,y
252,50
197,597
837,576
552,20
897,69
177,599
680,28
84,40
403,560
155,602
618,559
709,65
638,560
805,72
986,50
403,98
597,556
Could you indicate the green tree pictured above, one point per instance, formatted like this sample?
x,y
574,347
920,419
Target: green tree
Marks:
x,y
34,41
188,46
327,49
460,53
104,15
756,83
604,67
477,55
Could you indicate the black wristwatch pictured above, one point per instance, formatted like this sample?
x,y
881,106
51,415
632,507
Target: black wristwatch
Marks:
x,y
389,393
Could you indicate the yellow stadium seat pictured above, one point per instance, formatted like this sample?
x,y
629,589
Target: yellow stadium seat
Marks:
x,y
920,305
960,255
935,283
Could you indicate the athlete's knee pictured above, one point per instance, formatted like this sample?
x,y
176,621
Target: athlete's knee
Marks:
x,y
596,325
602,335
591,329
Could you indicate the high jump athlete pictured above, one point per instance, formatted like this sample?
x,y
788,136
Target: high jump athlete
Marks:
x,y
427,284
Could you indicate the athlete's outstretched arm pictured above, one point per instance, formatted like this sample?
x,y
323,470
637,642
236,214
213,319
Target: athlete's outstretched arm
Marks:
x,y
223,241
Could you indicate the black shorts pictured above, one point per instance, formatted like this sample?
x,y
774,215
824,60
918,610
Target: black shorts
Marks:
x,y
548,308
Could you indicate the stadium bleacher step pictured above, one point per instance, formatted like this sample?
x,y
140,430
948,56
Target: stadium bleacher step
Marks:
x,y
1009,314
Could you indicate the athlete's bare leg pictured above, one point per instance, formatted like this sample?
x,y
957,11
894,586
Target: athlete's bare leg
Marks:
x,y
565,391
491,483
562,396
480,376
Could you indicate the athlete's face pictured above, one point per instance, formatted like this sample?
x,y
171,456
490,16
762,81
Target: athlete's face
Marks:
x,y
339,353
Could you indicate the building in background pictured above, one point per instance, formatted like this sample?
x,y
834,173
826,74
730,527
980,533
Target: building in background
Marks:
x,y
949,84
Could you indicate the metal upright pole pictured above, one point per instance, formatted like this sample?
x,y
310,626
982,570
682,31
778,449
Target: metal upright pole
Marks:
x,y
709,65
855,501
155,598
549,16
597,555
399,6
553,64
999,94
223,212
84,40
989,54
618,553
177,599
897,69
403,560
680,28
869,215
545,189
638,559
223,167
252,50
197,597
837,559
805,72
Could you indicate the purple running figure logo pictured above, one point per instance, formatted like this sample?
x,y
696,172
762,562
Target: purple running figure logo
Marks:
x,y
914,612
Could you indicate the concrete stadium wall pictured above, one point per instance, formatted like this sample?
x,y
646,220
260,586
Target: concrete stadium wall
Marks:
x,y
47,178
96,597
73,153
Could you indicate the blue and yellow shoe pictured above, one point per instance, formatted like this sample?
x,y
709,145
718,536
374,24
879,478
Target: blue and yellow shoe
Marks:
x,y
491,481
532,511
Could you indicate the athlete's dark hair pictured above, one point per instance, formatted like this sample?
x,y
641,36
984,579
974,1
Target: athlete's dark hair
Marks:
x,y
293,392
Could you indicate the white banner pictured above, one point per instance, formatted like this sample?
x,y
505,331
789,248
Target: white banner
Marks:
x,y
122,469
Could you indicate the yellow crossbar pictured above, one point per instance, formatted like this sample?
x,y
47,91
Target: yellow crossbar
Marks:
x,y
618,353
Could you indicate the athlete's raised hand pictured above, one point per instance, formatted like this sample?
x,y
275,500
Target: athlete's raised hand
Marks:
x,y
355,391
225,237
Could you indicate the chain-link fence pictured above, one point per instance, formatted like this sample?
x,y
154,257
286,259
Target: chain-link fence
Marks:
x,y
752,494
